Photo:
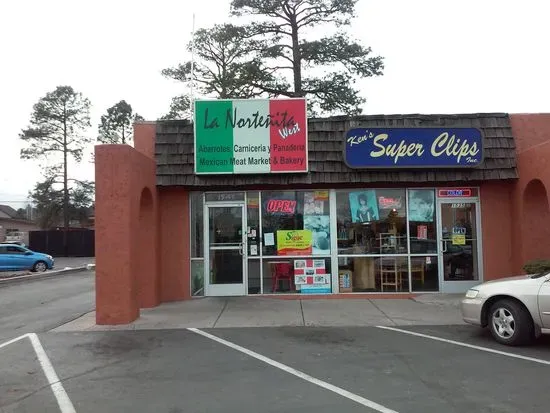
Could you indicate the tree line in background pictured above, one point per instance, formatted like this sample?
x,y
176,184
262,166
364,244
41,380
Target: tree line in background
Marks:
x,y
277,56
57,133
274,56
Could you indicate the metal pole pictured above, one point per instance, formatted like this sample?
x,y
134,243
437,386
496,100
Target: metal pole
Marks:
x,y
192,95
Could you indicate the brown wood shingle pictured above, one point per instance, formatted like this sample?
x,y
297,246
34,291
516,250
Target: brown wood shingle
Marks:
x,y
175,161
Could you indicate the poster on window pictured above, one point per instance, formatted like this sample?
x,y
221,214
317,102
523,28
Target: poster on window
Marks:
x,y
319,226
311,276
391,200
422,232
421,205
294,242
363,206
312,205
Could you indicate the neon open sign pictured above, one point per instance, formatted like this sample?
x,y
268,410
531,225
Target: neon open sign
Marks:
x,y
455,192
281,206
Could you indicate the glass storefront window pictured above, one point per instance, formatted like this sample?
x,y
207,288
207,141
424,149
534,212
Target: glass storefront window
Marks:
x,y
254,285
373,274
422,226
197,238
253,223
371,221
197,277
379,234
424,273
295,223
297,275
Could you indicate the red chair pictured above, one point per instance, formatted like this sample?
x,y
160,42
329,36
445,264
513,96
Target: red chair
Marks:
x,y
282,271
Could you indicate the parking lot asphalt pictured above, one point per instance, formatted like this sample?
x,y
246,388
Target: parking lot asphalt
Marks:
x,y
278,369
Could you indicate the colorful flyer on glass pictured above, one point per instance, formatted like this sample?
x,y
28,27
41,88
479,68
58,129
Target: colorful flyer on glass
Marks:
x,y
421,205
312,206
294,242
319,226
311,276
363,206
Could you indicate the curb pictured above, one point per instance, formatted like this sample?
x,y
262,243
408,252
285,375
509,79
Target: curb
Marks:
x,y
45,275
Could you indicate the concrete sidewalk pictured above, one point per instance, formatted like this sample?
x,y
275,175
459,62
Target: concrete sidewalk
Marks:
x,y
218,312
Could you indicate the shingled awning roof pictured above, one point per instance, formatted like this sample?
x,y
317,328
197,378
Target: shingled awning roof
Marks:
x,y
175,158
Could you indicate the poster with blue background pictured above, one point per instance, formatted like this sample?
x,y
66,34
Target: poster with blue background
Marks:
x,y
363,206
413,148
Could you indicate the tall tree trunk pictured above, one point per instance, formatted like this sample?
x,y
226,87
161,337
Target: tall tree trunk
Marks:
x,y
123,136
296,58
65,189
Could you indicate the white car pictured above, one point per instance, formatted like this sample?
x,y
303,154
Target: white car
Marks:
x,y
516,309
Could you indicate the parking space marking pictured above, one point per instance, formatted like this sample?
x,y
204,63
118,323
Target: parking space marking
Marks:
x,y
335,389
63,401
472,346
15,340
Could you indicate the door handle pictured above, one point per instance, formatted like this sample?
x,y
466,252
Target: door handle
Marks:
x,y
444,242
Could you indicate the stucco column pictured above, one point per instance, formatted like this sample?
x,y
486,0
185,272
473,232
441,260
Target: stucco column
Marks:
x,y
116,289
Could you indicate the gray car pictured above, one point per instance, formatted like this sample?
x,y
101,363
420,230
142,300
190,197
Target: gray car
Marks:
x,y
516,309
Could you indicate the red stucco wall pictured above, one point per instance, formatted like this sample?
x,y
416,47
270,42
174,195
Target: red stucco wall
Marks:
x,y
530,129
496,227
144,138
530,222
126,255
174,244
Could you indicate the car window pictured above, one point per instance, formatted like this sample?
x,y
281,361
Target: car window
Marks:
x,y
3,250
15,250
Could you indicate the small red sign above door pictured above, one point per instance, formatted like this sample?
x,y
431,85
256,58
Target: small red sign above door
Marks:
x,y
456,192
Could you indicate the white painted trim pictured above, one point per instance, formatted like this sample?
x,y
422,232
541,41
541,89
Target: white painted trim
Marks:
x,y
333,225
457,286
239,289
261,246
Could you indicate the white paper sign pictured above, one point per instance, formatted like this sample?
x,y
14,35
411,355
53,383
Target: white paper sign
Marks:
x,y
253,250
269,239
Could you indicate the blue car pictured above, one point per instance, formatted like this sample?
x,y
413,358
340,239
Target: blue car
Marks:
x,y
16,258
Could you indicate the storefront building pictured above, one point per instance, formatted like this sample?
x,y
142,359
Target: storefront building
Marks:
x,y
237,204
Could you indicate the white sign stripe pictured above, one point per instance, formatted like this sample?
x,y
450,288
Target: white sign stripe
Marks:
x,y
472,346
344,393
251,144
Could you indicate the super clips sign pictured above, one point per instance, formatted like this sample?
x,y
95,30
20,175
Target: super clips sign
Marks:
x,y
250,136
413,148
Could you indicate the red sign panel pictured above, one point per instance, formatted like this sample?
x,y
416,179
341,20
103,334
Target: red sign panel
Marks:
x,y
288,141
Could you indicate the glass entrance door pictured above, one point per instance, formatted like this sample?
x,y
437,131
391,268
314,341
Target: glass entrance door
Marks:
x,y
459,235
225,250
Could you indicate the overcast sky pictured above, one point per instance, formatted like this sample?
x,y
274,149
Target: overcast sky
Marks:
x,y
440,57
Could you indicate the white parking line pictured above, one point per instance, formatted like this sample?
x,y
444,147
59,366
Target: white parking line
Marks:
x,y
344,393
459,343
16,339
63,401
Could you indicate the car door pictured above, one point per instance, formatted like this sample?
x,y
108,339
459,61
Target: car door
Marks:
x,y
16,258
544,303
3,254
